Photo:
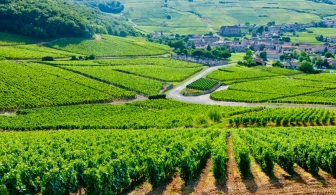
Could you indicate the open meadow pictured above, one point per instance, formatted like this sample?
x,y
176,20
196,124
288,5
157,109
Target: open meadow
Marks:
x,y
203,16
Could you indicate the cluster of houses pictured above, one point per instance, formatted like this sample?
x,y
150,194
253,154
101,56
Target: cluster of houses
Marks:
x,y
268,41
204,61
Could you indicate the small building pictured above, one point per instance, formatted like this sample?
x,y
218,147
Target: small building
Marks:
x,y
259,61
291,65
171,36
273,55
156,35
331,39
230,31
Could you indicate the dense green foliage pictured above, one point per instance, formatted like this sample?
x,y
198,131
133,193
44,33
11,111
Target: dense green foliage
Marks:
x,y
202,84
310,148
102,162
219,156
57,18
241,154
7,39
108,74
34,85
32,52
286,117
110,46
138,115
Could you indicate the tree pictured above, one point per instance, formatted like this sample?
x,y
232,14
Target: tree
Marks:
x,y
47,58
209,48
193,45
185,52
169,17
320,38
276,64
329,55
263,55
285,39
248,54
225,54
260,30
306,67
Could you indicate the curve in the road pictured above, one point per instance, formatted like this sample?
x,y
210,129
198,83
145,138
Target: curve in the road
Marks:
x,y
205,99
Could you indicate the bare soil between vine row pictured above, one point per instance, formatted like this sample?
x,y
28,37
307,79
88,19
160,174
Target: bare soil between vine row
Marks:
x,y
301,183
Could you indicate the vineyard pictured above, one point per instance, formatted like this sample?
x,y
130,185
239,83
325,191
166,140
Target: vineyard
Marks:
x,y
309,148
32,52
102,162
242,96
110,162
238,73
161,73
160,114
278,71
166,62
286,117
34,85
110,46
272,90
8,39
203,84
322,97
325,77
109,75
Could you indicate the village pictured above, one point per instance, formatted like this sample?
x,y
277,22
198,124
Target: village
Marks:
x,y
270,40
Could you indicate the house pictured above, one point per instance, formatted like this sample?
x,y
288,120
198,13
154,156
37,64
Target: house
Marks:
x,y
271,54
211,39
291,65
156,35
230,31
331,39
171,36
319,49
237,48
259,61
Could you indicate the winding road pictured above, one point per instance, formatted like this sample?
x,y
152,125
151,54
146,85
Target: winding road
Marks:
x,y
205,99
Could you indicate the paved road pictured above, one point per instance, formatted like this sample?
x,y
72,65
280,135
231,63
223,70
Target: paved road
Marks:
x,y
205,99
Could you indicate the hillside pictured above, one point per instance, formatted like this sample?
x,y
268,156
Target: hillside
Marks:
x,y
57,18
202,16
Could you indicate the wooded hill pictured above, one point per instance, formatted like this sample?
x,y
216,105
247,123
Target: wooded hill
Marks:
x,y
55,18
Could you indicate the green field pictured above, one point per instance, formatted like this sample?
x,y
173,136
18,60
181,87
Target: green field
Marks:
x,y
202,84
32,52
108,74
310,37
139,115
34,85
238,73
202,16
110,46
7,39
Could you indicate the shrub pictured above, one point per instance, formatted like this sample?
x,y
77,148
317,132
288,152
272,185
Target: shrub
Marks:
x,y
158,96
47,58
